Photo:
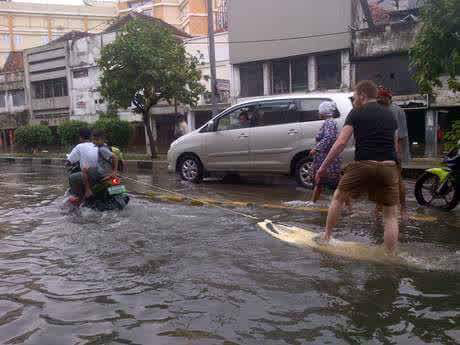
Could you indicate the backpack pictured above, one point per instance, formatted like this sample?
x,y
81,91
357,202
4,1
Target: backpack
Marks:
x,y
117,152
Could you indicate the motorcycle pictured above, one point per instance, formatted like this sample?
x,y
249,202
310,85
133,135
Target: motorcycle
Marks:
x,y
440,187
108,194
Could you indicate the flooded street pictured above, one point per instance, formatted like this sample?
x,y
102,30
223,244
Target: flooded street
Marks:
x,y
164,273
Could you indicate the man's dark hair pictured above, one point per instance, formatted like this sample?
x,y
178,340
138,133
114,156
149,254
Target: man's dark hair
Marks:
x,y
367,87
245,114
98,134
85,133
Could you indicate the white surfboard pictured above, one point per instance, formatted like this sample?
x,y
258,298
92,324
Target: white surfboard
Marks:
x,y
353,250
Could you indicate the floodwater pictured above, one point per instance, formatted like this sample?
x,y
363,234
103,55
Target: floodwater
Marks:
x,y
161,273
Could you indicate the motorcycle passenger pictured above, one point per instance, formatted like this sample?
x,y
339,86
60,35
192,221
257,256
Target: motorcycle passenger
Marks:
x,y
106,167
86,154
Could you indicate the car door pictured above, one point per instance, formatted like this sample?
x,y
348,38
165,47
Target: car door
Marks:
x,y
227,146
274,135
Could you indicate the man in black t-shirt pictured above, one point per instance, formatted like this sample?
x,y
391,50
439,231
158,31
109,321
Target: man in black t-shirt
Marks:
x,y
374,170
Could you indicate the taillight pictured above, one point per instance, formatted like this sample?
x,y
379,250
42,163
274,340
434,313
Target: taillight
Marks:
x,y
115,181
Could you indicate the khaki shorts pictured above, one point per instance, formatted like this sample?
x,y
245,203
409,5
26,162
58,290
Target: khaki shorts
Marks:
x,y
379,180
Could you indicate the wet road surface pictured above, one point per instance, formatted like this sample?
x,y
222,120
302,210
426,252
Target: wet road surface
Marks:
x,y
161,273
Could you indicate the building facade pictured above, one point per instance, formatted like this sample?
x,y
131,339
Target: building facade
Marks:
x,y
13,109
28,25
191,16
87,103
381,54
303,53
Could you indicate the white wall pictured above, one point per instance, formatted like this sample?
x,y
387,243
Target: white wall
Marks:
x,y
86,100
198,47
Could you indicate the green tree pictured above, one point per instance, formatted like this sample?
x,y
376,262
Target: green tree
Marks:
x,y
117,132
33,136
436,51
69,131
147,64
452,137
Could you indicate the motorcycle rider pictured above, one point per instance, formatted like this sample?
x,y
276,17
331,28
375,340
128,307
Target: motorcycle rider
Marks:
x,y
86,154
106,167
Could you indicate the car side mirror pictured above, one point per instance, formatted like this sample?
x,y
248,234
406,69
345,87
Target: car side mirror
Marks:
x,y
210,127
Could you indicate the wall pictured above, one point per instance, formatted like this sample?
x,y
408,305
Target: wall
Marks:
x,y
38,67
198,47
389,39
87,102
12,116
271,19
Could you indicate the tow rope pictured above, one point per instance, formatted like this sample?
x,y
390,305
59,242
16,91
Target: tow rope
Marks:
x,y
205,202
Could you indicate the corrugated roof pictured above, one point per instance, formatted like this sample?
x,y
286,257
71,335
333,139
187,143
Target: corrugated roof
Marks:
x,y
14,62
71,36
121,21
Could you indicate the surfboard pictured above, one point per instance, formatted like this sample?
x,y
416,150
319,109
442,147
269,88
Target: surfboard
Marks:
x,y
308,239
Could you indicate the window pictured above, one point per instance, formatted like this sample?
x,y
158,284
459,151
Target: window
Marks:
x,y
308,109
237,119
18,40
81,73
60,88
281,77
19,97
5,39
329,71
299,71
276,113
45,39
252,79
50,88
2,99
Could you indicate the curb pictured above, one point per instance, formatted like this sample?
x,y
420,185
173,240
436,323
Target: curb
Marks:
x,y
407,172
136,164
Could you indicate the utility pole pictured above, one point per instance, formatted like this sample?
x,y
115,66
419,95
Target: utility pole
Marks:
x,y
212,58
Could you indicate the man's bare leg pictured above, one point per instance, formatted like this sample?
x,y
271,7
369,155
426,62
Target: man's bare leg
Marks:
x,y
333,214
390,224
402,200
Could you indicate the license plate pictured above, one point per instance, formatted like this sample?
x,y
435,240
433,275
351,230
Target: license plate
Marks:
x,y
117,190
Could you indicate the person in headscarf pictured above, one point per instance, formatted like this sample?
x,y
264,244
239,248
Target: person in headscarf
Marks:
x,y
325,138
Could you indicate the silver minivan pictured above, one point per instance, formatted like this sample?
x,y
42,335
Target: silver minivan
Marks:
x,y
266,135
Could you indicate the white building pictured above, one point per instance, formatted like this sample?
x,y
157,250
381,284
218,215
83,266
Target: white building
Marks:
x,y
198,47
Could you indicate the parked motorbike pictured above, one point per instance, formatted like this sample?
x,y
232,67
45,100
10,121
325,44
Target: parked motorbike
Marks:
x,y
440,187
108,195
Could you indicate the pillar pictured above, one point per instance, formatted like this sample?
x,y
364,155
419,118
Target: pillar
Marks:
x,y
85,24
236,83
346,70
191,120
11,32
267,78
431,126
312,73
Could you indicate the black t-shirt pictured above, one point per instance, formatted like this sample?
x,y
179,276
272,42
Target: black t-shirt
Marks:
x,y
374,129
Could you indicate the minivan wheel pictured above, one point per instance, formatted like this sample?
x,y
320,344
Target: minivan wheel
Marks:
x,y
191,169
304,173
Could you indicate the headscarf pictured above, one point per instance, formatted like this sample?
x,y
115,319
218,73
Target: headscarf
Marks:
x,y
327,109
